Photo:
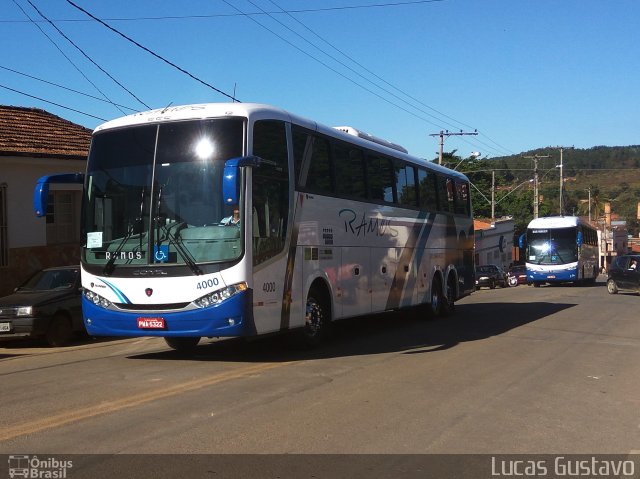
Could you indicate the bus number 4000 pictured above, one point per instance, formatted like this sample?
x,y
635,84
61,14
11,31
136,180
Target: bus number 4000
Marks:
x,y
210,283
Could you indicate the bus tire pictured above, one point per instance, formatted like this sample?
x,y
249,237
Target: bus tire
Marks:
x,y
612,287
317,318
449,302
59,331
183,345
434,308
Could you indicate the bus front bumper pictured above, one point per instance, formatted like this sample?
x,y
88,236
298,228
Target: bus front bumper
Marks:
x,y
551,276
232,317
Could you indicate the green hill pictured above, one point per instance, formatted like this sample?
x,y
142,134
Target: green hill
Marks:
x,y
612,173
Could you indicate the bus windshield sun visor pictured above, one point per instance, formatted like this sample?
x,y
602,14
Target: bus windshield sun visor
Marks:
x,y
41,192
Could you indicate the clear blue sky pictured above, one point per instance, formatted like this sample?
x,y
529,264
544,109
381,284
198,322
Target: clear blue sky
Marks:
x,y
525,74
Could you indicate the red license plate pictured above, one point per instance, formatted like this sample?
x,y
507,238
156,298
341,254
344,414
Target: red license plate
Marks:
x,y
151,323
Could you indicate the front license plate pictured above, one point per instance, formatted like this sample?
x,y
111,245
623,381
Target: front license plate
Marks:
x,y
5,327
551,276
151,323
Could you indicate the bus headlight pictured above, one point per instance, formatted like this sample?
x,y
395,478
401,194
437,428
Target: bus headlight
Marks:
x,y
96,299
220,295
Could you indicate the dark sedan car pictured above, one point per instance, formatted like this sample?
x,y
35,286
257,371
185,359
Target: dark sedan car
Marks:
x,y
490,276
624,273
48,305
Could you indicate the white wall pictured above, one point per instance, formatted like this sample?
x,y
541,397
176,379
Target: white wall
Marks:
x,y
20,175
495,245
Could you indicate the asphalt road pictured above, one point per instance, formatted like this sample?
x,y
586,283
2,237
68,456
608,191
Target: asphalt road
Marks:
x,y
517,370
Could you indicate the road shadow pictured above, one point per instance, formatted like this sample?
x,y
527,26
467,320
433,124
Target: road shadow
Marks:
x,y
395,332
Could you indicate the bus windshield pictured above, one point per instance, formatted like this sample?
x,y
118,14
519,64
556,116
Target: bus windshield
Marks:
x,y
153,195
552,246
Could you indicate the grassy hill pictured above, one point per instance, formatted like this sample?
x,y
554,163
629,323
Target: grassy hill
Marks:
x,y
612,174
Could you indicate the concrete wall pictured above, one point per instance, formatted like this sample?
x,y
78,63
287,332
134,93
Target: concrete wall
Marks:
x,y
27,237
495,245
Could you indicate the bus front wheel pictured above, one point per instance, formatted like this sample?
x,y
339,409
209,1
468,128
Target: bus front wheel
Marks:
x,y
59,332
317,318
183,345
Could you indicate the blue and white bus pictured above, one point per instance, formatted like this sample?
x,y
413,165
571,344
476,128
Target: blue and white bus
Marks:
x,y
561,249
235,219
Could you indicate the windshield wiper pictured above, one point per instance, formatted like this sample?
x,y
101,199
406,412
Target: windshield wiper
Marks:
x,y
110,266
184,254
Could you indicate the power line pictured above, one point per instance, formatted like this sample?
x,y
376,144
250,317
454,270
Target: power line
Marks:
x,y
190,75
337,72
88,57
187,17
50,102
64,54
64,87
350,58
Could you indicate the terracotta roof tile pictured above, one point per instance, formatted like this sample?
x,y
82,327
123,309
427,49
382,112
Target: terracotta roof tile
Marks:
x,y
35,132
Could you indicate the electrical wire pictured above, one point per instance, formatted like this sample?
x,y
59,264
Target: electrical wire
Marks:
x,y
328,66
350,58
358,64
88,57
51,102
64,87
187,17
411,104
129,39
65,55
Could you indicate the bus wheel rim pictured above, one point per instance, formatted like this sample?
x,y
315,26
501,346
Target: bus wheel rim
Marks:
x,y
314,317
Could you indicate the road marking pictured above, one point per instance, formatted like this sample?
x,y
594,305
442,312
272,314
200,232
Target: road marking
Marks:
x,y
68,417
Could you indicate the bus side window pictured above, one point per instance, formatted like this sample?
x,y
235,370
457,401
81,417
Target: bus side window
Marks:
x,y
320,169
380,178
349,171
427,189
462,198
405,184
270,190
445,194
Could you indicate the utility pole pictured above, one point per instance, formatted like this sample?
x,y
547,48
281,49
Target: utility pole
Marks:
x,y
562,148
493,196
448,133
589,204
536,196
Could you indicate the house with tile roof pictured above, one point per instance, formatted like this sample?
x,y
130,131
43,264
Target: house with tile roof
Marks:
x,y
34,143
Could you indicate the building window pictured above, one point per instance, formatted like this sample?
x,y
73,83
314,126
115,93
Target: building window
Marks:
x,y
4,236
63,217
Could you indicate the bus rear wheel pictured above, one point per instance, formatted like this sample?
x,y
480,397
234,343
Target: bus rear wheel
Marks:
x,y
317,318
183,345
435,306
448,303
